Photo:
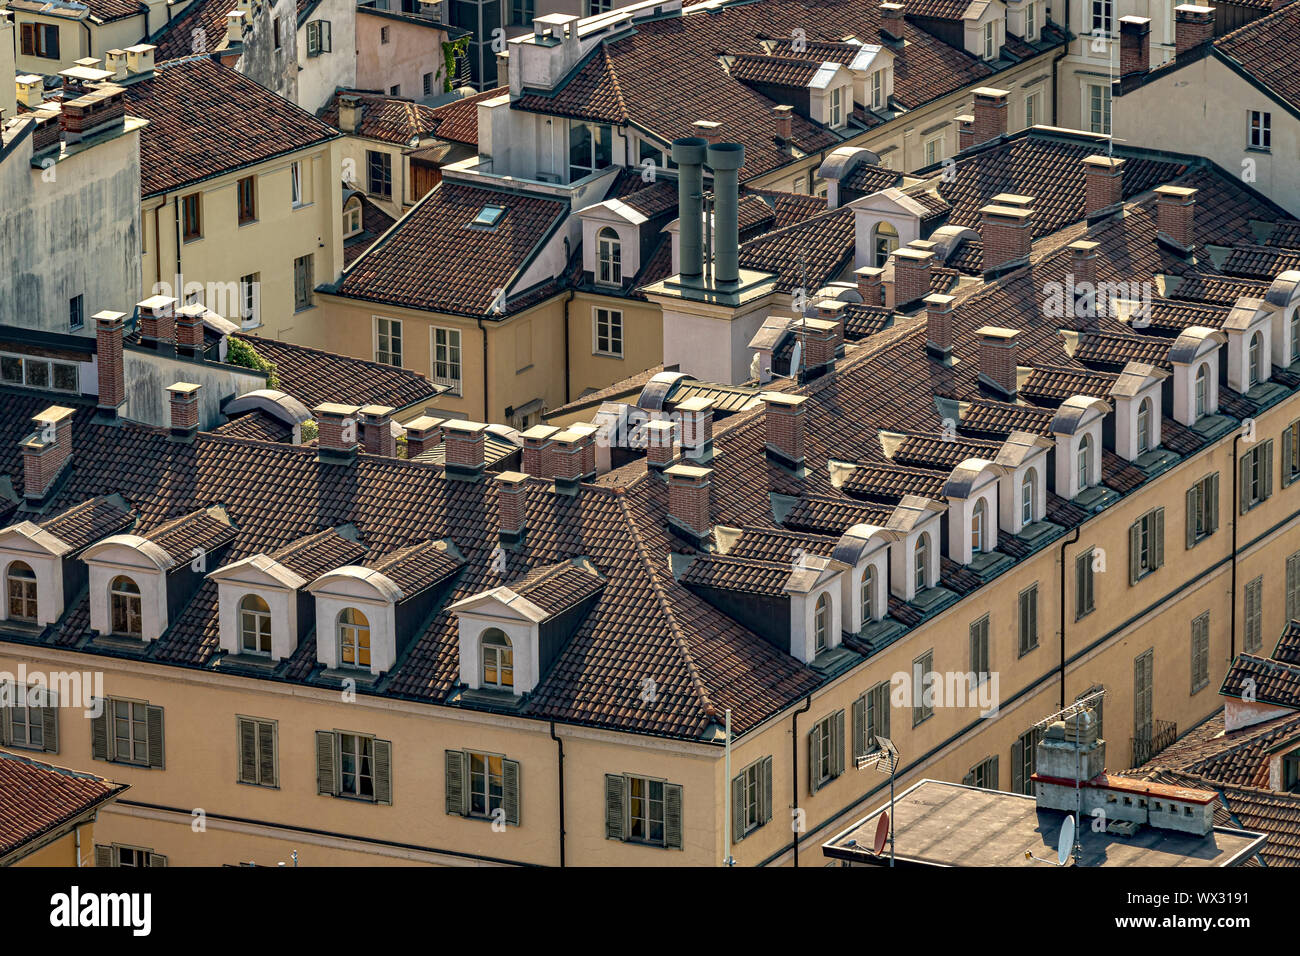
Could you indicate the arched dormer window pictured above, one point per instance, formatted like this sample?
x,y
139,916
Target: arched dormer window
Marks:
x,y
1028,491
124,607
978,526
922,559
498,660
352,217
822,623
1144,426
1256,355
884,240
868,594
1202,389
20,585
354,638
1085,461
254,626
609,257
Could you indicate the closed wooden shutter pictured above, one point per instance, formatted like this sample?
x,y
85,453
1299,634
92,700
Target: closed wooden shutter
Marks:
x,y
267,771
1292,586
1267,449
837,744
247,750
993,778
510,787
455,775
52,42
154,722
814,757
673,816
157,859
1134,551
1286,457
29,39
1018,765
50,722
615,806
1193,502
103,856
99,737
1080,569
1214,504
739,810
326,37
969,779
1158,539
765,807
859,727
326,777
383,771
1142,674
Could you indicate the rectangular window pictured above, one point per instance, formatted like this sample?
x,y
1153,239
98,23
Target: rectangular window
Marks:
x,y
356,755
984,774
383,35
1260,131
836,107
192,217
870,719
258,759
922,703
247,199
1200,651
979,649
1083,585
1253,638
1146,544
134,857
31,720
522,12
1202,509
40,39
1291,445
1101,16
1256,475
39,373
395,90
388,341
482,785
76,312
446,358
751,798
295,183
645,806
426,82
826,751
1033,108
1028,619
128,731
1031,23
1024,761
486,784
379,174
319,38
643,810
990,41
609,332
933,151
250,300
1098,108
302,282
590,149
878,89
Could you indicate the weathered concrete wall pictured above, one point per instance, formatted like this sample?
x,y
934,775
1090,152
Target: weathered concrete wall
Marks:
x,y
276,69
319,76
8,92
148,374
70,229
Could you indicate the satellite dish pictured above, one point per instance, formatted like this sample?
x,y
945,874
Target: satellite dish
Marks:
x,y
1066,841
882,833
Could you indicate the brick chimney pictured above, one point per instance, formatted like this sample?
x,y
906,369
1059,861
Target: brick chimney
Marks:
x,y
696,415
1083,269
1134,46
512,505
350,111
990,114
709,130
783,123
183,399
832,310
189,329
1007,237
587,431
998,358
869,284
938,325
1103,186
911,275
785,427
46,452
659,451
465,444
336,440
422,434
891,20
690,503
565,459
965,131
817,339
1193,27
377,436
537,443
157,320
108,363
1175,217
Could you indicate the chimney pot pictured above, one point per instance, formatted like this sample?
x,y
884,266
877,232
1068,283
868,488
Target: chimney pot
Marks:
x,y
567,459
189,329
158,320
784,427
965,131
998,358
690,502
783,120
1193,27
108,362
337,432
512,505
1083,268
422,434
1175,217
832,310
990,114
377,431
1134,46
184,404
464,442
1103,186
696,416
726,159
689,154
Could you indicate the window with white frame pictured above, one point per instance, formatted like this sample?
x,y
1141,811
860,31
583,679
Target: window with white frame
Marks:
x,y
978,526
608,333
354,638
356,766
878,89
295,183
1028,491
20,589
486,783
1294,334
1259,130
752,796
609,257
1291,454
922,559
1202,389
990,40
319,39
254,626
34,372
249,310
868,594
446,358
379,173
1098,108
933,150
388,341
1255,357
1084,461
1144,426
130,729
1033,108
645,810
1031,22
124,607
884,240
590,149
822,623
922,704
836,111
352,218
498,659
1101,16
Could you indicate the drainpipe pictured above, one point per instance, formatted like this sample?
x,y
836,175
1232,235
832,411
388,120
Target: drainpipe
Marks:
x,y
728,809
559,764
483,334
1067,541
1236,515
178,294
794,766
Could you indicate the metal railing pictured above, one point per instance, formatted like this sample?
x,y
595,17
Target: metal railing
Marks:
x,y
1162,734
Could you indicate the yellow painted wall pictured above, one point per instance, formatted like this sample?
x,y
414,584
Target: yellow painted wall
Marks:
x,y
63,851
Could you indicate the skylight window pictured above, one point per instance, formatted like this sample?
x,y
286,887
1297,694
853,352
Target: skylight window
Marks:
x,y
489,216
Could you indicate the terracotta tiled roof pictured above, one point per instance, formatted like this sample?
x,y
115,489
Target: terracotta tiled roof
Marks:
x,y
255,424
374,223
1285,234
413,266
747,576
1270,681
175,38
1288,645
205,119
106,11
888,484
313,554
420,566
457,121
777,546
806,255
861,320
992,419
1112,350
773,70
1238,757
938,9
390,119
1268,49
203,530
84,524
313,376
866,178
36,798
1202,287
1053,384
556,588
1260,262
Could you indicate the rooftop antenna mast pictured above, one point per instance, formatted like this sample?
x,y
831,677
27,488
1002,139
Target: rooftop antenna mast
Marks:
x,y
803,309
1076,709
884,759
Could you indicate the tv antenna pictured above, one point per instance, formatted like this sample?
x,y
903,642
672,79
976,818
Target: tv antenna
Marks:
x,y
884,759
1065,714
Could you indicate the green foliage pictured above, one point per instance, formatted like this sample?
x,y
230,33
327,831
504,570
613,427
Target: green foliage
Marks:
x,y
310,431
239,352
449,51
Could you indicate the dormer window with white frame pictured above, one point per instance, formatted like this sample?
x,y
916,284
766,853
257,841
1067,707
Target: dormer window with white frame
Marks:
x,y
356,619
990,51
1077,428
914,553
877,87
31,561
609,257
1250,349
352,217
1194,357
1022,497
973,494
921,559
1283,296
864,549
815,589
128,587
1138,396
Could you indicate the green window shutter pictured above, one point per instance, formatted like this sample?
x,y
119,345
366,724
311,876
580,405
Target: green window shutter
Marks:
x,y
1286,457
969,779
50,724
765,807
1192,497
673,816
1134,551
1018,765
1244,476
103,856
738,808
1158,539
157,859
1268,468
1080,569
510,790
384,772
4,717
994,778
154,722
457,794
615,807
1292,585
326,777
266,767
99,739
859,727
837,744
814,748
1214,502
247,750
